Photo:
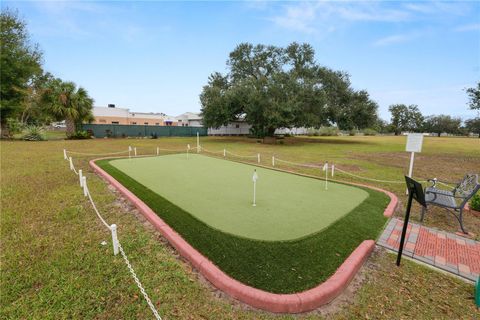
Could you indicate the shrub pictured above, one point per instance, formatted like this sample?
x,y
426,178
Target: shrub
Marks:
x,y
328,131
33,133
14,126
475,202
80,134
352,133
370,132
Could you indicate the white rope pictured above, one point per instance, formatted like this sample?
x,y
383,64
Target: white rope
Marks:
x,y
365,178
95,154
298,164
96,210
139,284
214,152
240,156
174,150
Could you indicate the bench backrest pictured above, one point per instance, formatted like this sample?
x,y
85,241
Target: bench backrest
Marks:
x,y
467,187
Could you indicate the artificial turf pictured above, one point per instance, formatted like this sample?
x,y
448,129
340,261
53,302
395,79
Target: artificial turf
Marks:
x,y
274,266
219,193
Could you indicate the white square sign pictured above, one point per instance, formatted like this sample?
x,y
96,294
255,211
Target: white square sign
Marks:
x,y
414,142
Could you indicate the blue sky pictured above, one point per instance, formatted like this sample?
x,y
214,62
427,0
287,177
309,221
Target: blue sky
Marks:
x,y
156,56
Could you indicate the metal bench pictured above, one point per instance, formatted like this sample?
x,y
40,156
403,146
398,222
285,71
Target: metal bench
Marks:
x,y
453,200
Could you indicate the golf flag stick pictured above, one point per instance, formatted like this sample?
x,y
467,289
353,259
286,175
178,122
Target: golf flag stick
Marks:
x,y
325,168
198,142
254,179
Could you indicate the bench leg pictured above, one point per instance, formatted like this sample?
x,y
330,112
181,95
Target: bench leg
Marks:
x,y
424,210
460,219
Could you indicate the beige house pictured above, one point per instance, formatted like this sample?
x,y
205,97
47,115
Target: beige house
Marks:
x,y
113,115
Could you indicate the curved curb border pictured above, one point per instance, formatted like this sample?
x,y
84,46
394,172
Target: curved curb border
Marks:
x,y
281,303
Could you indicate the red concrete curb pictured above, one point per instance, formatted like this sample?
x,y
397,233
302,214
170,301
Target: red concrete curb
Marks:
x,y
283,303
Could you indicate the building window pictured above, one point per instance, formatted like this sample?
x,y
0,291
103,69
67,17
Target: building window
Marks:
x,y
237,126
145,123
186,124
134,122
157,124
115,122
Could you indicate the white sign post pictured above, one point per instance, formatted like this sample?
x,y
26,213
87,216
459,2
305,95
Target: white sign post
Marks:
x,y
325,168
254,179
414,144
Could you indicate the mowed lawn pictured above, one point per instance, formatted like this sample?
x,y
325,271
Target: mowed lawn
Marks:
x,y
54,266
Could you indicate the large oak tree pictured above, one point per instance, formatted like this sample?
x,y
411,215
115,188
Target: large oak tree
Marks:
x,y
272,87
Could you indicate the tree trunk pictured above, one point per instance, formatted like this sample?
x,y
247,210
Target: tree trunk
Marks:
x,y
438,134
5,132
271,132
70,127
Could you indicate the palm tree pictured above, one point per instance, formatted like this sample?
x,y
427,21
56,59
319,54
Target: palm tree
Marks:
x,y
65,101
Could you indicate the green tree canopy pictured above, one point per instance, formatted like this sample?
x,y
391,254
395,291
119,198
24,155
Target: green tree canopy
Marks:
x,y
20,64
474,97
442,124
473,125
405,118
64,100
272,87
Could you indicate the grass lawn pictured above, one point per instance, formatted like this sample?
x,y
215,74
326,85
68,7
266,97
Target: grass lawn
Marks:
x,y
54,266
219,193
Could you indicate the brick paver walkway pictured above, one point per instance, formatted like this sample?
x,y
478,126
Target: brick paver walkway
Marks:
x,y
443,250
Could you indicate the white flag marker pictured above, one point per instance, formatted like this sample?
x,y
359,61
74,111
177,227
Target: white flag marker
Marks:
x,y
325,168
254,179
198,142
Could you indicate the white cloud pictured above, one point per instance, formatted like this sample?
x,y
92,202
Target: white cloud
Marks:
x,y
393,39
468,27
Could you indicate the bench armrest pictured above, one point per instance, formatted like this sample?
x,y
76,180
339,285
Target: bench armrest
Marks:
x,y
443,194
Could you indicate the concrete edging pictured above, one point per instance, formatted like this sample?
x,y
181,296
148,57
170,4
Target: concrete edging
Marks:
x,y
281,303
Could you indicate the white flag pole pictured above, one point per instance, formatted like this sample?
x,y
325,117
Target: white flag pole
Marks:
x,y
255,178
325,168
198,142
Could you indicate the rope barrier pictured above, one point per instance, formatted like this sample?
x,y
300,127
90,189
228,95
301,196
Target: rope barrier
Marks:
x,y
117,247
299,164
240,156
96,154
365,178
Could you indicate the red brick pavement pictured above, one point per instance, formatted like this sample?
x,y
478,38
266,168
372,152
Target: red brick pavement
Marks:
x,y
443,250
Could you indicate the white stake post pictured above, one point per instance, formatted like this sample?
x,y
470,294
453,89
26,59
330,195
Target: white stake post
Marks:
x,y
158,151
71,163
224,153
113,227
198,142
325,168
333,170
129,152
135,151
273,161
188,149
414,144
255,178
80,176
258,157
65,154
85,190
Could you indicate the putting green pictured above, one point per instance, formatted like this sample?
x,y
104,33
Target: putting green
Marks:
x,y
220,193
